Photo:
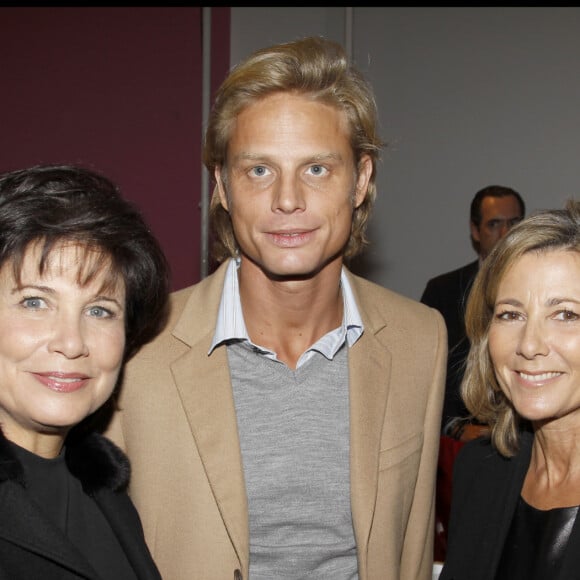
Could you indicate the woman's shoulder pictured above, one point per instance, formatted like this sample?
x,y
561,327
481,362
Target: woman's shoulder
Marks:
x,y
478,462
476,453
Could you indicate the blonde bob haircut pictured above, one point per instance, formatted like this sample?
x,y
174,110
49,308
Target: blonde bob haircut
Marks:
x,y
315,67
543,231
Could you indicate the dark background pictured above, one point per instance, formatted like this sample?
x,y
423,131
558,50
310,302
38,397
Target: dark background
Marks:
x,y
118,90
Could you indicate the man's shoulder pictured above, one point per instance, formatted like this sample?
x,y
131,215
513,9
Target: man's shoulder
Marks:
x,y
372,295
449,287
192,313
179,298
203,293
456,274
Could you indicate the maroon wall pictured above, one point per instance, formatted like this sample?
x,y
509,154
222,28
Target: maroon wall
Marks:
x,y
117,89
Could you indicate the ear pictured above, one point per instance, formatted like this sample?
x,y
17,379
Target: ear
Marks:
x,y
220,188
474,231
365,170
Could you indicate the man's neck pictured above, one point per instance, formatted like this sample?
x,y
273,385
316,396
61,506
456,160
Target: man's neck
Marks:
x,y
288,316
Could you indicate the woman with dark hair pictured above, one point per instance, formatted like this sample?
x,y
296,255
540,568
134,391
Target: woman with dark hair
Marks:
x,y
83,285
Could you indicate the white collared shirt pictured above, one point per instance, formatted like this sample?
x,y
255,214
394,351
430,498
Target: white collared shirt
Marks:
x,y
230,323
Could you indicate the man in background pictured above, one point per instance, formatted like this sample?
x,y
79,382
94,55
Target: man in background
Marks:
x,y
494,210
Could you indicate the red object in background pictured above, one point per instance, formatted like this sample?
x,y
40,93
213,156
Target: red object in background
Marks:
x,y
448,449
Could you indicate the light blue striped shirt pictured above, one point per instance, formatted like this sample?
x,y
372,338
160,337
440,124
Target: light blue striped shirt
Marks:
x,y
231,326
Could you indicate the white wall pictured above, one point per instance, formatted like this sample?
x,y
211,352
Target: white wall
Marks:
x,y
467,97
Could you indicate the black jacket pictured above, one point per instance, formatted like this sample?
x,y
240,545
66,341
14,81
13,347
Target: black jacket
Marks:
x,y
448,293
33,548
486,490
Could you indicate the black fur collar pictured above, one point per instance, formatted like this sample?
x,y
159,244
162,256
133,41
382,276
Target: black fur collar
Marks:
x,y
94,460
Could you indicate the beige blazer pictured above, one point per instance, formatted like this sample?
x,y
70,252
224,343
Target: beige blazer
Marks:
x,y
177,423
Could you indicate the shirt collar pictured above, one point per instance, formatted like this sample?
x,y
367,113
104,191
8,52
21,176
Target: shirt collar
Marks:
x,y
230,323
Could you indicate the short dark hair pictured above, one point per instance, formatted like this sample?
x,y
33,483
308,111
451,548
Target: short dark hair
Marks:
x,y
493,191
51,204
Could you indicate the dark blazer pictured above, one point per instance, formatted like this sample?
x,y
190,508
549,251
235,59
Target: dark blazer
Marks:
x,y
486,489
33,548
448,293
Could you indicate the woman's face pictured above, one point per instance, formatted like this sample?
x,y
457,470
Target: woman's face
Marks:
x,y
534,337
61,345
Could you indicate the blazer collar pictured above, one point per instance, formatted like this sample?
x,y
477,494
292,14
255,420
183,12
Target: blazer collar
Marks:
x,y
369,383
210,409
197,320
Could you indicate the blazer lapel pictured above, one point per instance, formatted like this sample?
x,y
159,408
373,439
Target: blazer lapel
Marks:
x,y
510,488
369,377
204,386
368,396
489,509
211,413
20,516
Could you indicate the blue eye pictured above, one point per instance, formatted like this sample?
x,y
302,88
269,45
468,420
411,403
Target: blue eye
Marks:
x,y
317,169
259,170
100,312
33,302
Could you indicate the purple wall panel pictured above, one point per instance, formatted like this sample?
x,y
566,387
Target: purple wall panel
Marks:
x,y
117,90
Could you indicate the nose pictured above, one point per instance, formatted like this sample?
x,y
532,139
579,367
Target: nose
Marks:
x,y
68,337
288,195
532,341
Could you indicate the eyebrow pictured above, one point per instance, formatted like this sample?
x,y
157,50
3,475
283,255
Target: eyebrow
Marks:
x,y
247,156
551,302
507,301
46,289
557,300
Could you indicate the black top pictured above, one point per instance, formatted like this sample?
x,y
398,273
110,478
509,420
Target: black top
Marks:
x,y
487,488
536,543
61,497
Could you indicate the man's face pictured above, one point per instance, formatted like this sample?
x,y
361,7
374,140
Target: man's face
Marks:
x,y
498,215
292,185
